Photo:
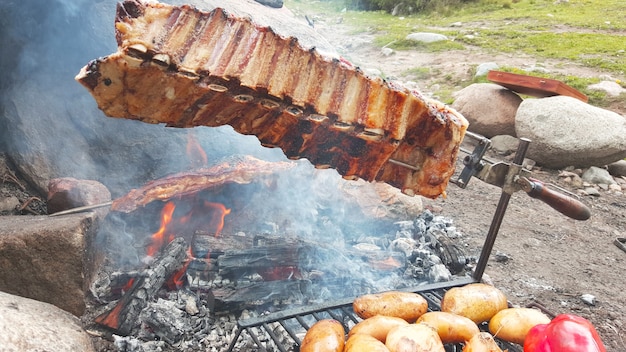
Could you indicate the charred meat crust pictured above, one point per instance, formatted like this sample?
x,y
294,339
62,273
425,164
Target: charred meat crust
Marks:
x,y
184,67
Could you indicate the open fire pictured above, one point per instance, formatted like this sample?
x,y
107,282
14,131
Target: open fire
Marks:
x,y
181,269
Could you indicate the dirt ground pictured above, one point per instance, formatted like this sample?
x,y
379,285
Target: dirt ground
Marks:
x,y
540,256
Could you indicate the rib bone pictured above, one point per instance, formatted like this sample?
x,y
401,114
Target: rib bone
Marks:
x,y
227,70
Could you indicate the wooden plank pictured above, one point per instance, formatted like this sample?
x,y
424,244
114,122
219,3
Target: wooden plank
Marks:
x,y
534,86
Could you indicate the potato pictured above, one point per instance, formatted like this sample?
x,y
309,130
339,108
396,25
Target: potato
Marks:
x,y
364,343
406,305
482,342
414,338
512,324
451,328
326,335
377,326
478,302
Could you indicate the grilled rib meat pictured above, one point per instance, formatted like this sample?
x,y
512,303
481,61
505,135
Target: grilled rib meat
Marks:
x,y
185,68
243,171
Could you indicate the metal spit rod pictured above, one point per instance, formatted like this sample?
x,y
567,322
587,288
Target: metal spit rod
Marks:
x,y
392,161
503,203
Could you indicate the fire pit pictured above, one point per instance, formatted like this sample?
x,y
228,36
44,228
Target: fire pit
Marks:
x,y
226,256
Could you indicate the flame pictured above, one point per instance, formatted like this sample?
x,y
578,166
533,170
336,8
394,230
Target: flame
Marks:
x,y
217,217
177,280
158,238
196,154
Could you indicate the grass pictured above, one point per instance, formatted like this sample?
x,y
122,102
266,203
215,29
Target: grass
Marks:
x,y
591,33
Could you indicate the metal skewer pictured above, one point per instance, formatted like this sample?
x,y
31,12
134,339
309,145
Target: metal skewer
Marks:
x,y
82,209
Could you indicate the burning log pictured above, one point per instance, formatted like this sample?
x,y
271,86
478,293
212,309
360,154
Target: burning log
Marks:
x,y
123,317
185,67
260,260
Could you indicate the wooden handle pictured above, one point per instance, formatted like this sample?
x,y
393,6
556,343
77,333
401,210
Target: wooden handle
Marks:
x,y
564,204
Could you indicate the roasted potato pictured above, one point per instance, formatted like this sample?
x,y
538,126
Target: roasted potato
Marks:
x,y
364,343
482,342
478,302
414,338
451,328
512,324
377,326
406,305
326,335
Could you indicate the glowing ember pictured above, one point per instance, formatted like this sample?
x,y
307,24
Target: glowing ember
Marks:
x,y
128,285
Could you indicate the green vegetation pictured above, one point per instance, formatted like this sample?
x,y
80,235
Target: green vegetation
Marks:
x,y
591,33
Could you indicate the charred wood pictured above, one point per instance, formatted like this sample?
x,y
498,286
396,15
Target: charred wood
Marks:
x,y
123,317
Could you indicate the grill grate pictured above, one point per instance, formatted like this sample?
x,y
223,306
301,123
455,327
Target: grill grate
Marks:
x,y
295,322
283,331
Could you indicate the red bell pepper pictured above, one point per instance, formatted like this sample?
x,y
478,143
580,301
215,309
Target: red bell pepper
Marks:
x,y
565,333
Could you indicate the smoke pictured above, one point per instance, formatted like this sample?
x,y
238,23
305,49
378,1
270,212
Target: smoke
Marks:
x,y
54,129
53,126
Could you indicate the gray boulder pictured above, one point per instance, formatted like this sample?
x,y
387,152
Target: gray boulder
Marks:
x,y
29,325
617,168
424,37
566,131
504,144
611,88
597,176
489,108
48,258
484,68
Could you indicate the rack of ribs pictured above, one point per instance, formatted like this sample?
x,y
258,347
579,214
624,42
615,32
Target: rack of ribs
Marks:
x,y
185,67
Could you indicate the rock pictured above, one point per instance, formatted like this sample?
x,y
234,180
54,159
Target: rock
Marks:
x,y
8,204
572,178
46,258
425,37
591,191
502,257
566,131
271,3
588,299
387,51
484,68
611,88
617,168
29,325
489,108
504,144
67,193
596,175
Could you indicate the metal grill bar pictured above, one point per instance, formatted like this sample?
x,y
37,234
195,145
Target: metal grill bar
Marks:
x,y
341,311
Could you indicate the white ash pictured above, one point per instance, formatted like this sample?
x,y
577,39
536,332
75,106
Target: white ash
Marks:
x,y
186,320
